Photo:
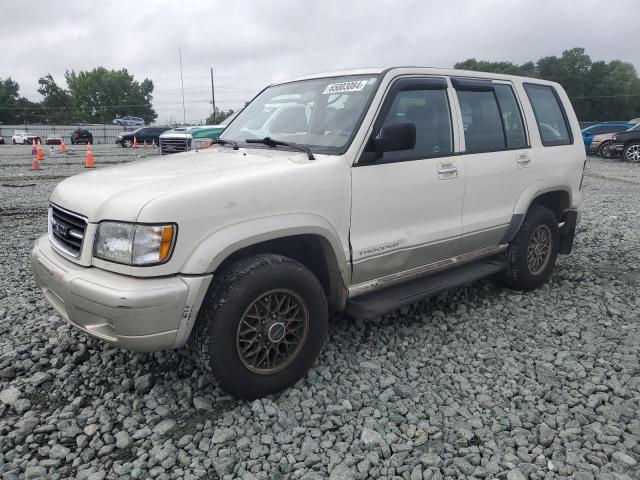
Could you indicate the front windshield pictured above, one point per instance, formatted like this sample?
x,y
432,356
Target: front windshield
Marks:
x,y
322,113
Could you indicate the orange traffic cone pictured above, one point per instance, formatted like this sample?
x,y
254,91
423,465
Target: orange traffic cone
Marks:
x,y
145,144
135,142
35,164
39,152
34,150
88,163
63,147
153,143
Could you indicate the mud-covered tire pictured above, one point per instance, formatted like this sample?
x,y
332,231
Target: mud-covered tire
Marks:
x,y
524,270
214,341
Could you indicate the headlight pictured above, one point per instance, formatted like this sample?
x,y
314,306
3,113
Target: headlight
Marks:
x,y
134,244
200,143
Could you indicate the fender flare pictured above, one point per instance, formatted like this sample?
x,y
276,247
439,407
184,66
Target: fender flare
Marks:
x,y
526,199
220,244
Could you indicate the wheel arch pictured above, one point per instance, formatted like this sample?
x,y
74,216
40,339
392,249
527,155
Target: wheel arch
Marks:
x,y
558,200
315,246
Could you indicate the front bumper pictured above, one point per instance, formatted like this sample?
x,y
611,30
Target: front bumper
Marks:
x,y
616,147
139,314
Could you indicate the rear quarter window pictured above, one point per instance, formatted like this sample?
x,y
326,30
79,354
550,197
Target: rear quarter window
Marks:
x,y
550,115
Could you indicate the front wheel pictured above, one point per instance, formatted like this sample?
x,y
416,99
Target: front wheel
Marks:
x,y
631,152
532,254
262,325
604,151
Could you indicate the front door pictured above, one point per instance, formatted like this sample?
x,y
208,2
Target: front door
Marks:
x,y
406,205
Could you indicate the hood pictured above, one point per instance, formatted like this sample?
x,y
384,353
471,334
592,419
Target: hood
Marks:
x,y
120,192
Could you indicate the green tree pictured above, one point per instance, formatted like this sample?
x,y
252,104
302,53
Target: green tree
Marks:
x,y
100,95
9,95
57,102
487,66
219,117
598,90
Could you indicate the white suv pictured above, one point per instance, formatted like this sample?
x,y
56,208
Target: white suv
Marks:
x,y
384,187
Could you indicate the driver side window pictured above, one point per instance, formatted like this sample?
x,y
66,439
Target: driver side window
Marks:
x,y
429,111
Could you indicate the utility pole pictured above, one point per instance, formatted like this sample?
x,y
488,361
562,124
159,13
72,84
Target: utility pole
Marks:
x,y
184,111
213,98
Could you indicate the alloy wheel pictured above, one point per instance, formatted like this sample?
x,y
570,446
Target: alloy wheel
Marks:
x,y
539,249
632,153
272,331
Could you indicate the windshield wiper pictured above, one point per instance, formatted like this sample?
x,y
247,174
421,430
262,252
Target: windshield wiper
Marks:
x,y
270,142
233,143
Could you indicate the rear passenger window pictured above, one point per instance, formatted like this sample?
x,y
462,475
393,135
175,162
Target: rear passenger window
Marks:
x,y
429,111
552,121
481,119
511,116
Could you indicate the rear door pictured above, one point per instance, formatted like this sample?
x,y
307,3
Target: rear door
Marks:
x,y
406,205
498,160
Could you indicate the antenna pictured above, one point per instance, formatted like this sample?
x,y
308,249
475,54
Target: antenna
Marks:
x,y
184,111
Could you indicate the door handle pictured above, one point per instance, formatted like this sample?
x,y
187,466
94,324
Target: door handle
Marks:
x,y
524,160
447,170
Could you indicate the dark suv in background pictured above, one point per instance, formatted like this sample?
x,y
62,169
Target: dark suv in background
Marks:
x,y
627,143
146,134
81,136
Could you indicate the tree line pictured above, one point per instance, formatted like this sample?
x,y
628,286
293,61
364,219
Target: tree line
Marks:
x,y
95,96
598,90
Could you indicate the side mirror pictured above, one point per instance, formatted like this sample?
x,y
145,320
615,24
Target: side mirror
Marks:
x,y
396,136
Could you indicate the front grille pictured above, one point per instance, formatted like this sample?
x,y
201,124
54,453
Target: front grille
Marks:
x,y
173,145
66,230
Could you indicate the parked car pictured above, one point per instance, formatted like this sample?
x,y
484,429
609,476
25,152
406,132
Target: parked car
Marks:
x,y
1,140
241,250
81,136
146,134
601,129
627,144
53,140
129,121
22,138
179,139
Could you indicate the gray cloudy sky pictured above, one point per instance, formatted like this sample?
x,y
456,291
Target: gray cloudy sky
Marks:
x,y
252,43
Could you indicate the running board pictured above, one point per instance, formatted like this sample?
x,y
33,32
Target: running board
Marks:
x,y
374,304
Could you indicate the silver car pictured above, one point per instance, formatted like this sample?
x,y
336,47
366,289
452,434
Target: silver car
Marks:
x,y
128,121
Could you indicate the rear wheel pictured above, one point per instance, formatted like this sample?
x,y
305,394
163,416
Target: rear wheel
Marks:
x,y
127,143
631,152
532,254
262,325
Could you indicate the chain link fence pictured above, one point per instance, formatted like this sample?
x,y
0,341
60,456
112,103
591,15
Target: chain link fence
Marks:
x,y
104,134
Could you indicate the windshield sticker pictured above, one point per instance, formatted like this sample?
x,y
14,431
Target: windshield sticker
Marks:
x,y
355,86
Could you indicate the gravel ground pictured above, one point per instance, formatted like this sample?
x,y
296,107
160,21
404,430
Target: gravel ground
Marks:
x,y
481,382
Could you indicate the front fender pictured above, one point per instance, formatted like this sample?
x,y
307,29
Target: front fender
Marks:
x,y
214,249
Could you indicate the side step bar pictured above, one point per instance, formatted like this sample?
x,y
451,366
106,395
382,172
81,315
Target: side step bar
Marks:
x,y
374,304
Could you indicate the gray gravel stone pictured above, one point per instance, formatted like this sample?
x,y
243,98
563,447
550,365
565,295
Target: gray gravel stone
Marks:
x,y
478,383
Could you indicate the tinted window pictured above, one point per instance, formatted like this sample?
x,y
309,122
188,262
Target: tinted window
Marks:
x,y
511,116
482,124
429,111
616,129
550,116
